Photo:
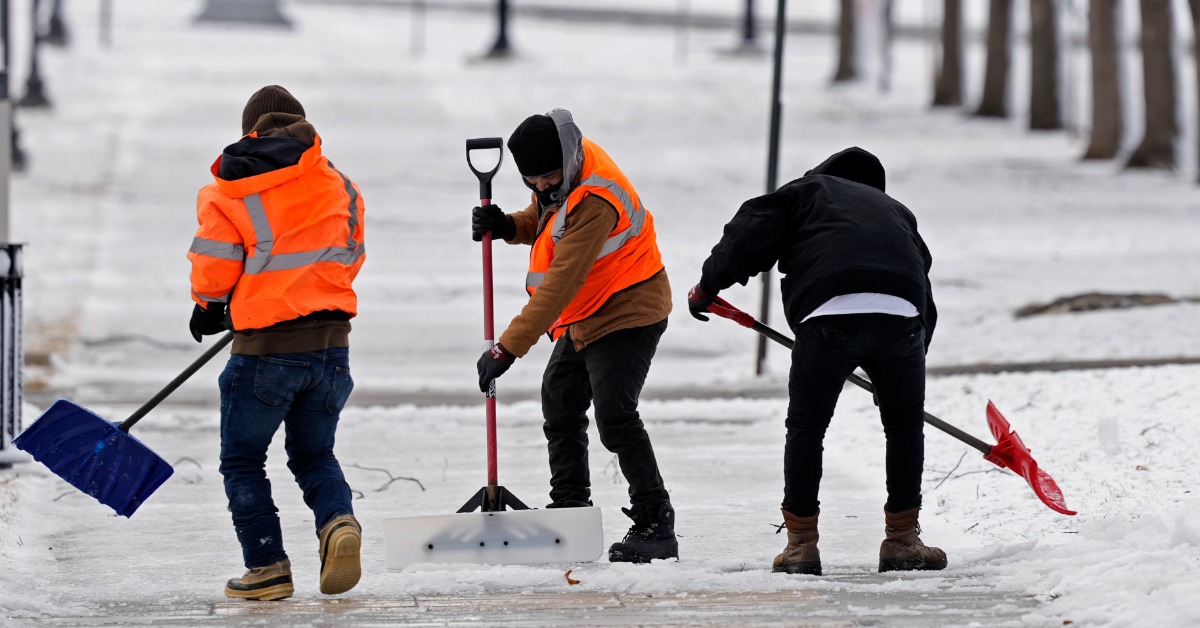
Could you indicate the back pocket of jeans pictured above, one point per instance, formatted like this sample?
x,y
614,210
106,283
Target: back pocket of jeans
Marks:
x,y
339,392
277,380
831,334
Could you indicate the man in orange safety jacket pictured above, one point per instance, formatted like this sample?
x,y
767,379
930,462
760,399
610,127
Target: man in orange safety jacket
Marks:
x,y
279,244
598,287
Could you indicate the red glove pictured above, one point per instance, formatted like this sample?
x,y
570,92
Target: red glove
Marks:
x,y
698,302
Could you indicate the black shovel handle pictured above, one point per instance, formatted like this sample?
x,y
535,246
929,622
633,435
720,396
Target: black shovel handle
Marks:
x,y
485,176
722,308
175,383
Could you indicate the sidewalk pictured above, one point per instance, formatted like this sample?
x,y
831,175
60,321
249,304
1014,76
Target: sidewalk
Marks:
x,y
1012,218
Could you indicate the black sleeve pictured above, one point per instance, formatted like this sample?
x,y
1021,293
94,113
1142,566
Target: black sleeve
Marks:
x,y
751,244
930,307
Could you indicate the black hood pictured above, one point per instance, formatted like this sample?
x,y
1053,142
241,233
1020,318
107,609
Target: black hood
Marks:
x,y
252,156
853,164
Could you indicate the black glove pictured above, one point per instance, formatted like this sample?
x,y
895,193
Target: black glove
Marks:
x,y
206,322
491,218
492,364
698,302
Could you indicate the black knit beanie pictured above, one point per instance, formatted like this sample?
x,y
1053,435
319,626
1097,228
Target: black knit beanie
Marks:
x,y
535,146
270,99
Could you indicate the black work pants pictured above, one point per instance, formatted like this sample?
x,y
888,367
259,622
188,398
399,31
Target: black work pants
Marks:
x,y
609,374
891,349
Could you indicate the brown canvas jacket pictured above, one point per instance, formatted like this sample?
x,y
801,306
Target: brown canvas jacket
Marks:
x,y
588,228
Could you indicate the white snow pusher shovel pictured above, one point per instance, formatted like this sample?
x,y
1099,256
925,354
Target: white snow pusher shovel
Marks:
x,y
504,531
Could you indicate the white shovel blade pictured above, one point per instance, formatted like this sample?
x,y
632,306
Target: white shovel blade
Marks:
x,y
507,537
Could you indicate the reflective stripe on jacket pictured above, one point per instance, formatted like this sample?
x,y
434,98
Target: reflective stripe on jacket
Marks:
x,y
629,256
279,244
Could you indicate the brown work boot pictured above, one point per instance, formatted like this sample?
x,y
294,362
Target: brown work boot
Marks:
x,y
801,554
273,582
341,540
903,550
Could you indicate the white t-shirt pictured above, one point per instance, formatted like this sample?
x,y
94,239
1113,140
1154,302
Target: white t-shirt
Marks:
x,y
865,303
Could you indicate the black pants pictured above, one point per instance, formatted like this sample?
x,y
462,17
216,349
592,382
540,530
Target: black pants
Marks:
x,y
608,373
891,349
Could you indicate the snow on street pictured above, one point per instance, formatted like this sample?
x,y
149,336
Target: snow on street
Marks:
x,y
1012,218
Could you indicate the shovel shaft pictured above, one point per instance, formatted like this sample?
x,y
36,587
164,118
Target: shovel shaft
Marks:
x,y
489,331
489,334
175,383
725,310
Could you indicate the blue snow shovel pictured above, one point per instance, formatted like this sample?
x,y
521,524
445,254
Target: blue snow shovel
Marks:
x,y
100,457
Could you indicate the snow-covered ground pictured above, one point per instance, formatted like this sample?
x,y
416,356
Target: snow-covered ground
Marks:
x,y
1012,219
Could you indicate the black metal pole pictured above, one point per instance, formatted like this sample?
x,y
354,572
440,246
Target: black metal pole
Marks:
x,y
16,157
772,168
106,22
56,28
501,47
35,95
749,36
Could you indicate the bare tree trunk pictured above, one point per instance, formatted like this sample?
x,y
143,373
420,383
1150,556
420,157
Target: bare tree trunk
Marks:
x,y
1157,149
994,103
1107,112
1195,6
1044,113
947,86
846,70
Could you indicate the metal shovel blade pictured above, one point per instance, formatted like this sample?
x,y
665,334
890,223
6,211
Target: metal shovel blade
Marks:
x,y
506,537
94,456
1010,451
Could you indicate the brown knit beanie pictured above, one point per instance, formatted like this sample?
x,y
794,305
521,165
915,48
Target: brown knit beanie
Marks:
x,y
270,99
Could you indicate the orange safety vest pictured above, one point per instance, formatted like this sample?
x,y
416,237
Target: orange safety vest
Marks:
x,y
628,257
284,243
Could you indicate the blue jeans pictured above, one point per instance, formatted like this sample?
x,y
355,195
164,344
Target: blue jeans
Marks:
x,y
891,350
305,392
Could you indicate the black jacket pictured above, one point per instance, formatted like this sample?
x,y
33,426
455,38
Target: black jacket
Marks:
x,y
833,232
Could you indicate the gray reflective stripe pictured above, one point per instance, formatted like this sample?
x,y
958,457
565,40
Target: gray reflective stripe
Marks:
x,y
207,299
264,237
637,215
636,220
533,280
218,249
288,261
353,194
264,260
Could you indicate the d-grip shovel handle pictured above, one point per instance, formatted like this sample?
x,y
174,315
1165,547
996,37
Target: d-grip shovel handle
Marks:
x,y
175,383
485,176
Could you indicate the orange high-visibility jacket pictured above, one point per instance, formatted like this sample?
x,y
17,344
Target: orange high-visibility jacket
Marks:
x,y
284,243
628,257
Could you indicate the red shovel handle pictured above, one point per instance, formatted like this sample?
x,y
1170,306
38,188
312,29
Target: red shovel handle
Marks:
x,y
722,308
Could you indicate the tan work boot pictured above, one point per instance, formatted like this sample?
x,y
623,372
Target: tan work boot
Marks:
x,y
341,540
273,582
801,554
903,550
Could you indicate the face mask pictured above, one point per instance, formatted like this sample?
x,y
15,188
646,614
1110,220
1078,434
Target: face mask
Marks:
x,y
546,198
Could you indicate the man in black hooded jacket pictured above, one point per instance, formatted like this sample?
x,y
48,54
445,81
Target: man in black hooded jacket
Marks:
x,y
856,293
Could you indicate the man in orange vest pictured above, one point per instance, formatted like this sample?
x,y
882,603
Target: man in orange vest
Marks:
x,y
598,287
279,244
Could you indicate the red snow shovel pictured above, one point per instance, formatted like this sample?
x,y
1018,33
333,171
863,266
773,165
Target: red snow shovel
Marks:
x,y
504,530
1008,452
100,457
